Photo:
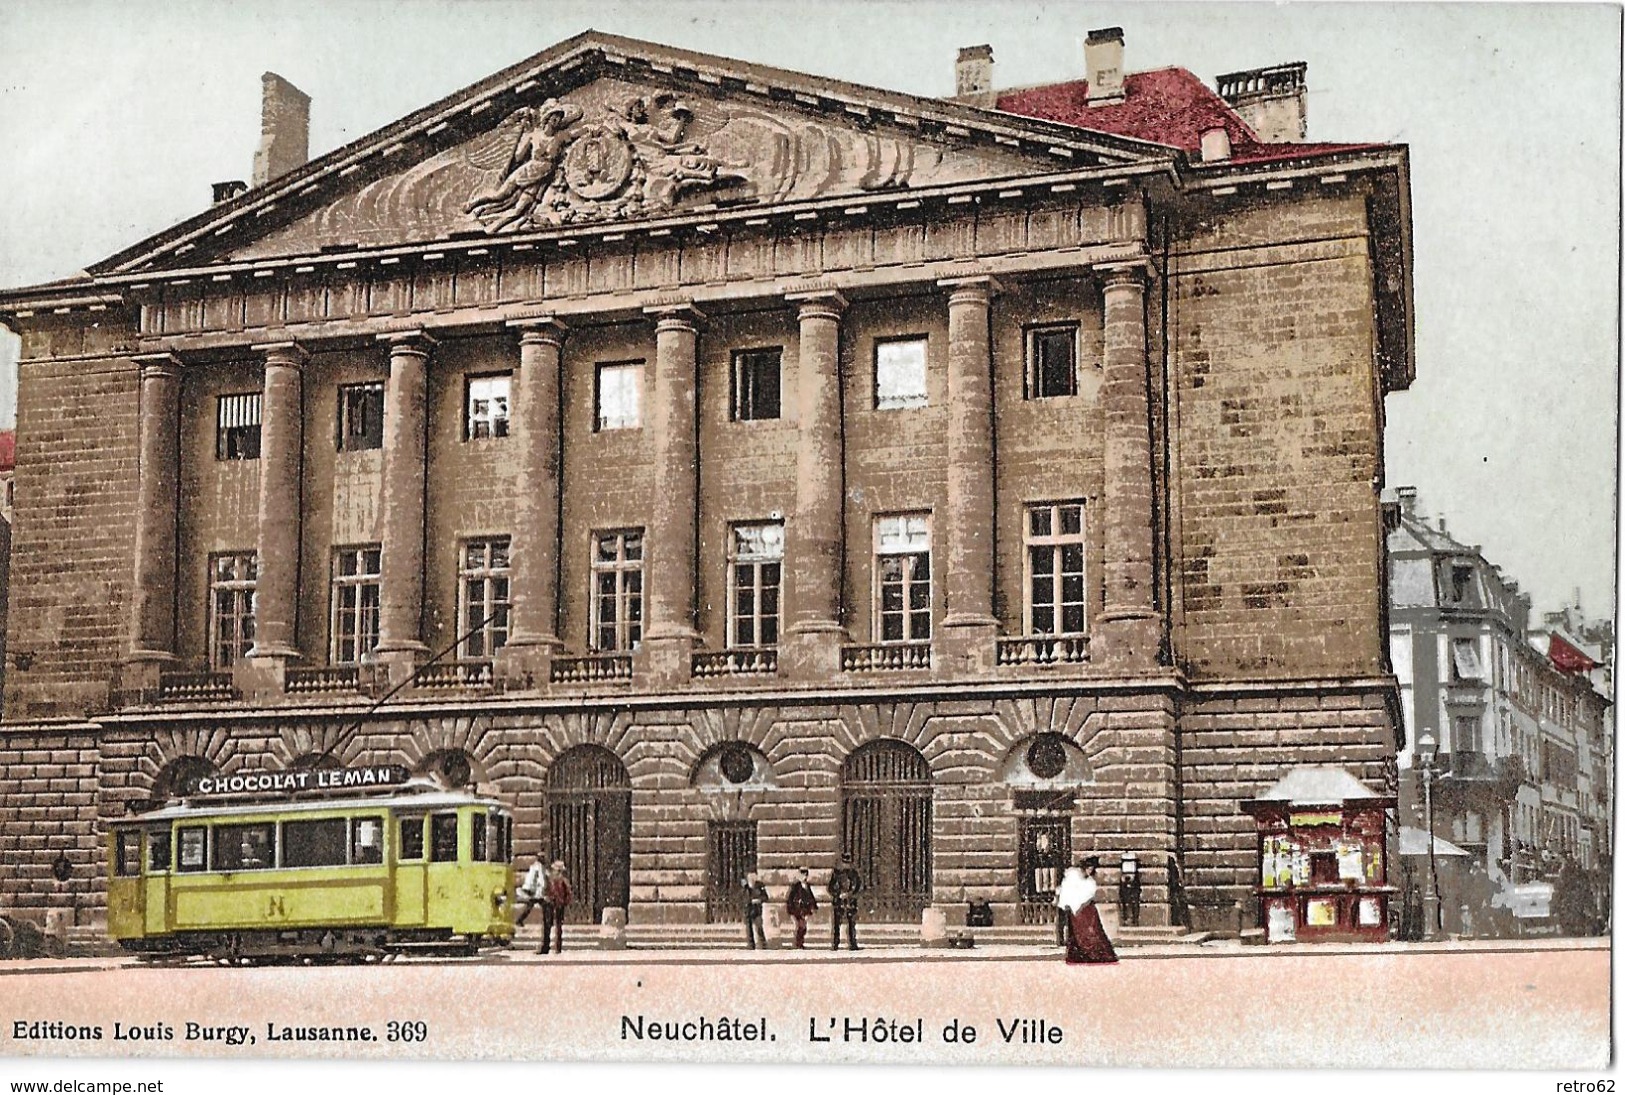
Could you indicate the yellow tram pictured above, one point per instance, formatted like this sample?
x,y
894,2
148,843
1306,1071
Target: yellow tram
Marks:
x,y
304,866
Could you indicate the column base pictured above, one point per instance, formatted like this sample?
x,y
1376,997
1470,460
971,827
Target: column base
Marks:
x,y
263,676
525,662
812,651
1127,641
968,644
141,674
397,662
665,660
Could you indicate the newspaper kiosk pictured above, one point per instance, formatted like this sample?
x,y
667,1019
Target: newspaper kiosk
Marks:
x,y
1323,870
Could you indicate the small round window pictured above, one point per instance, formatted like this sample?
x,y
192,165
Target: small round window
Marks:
x,y
737,763
1046,756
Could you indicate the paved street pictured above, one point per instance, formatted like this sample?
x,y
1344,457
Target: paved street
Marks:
x,y
1517,1004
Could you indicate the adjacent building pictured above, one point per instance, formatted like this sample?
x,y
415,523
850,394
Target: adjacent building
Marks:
x,y
736,469
1521,711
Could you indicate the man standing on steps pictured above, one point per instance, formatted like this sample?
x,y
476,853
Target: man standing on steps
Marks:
x,y
555,898
801,904
755,903
844,887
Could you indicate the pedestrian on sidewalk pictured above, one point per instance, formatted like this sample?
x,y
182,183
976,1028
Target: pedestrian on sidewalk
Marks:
x,y
530,890
555,899
844,886
800,904
755,902
1088,942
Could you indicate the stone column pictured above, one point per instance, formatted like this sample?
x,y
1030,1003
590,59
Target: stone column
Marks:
x,y
1130,633
672,541
152,616
535,428
282,452
968,627
814,533
400,596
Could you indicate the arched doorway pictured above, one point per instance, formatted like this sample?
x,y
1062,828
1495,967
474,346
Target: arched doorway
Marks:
x,y
589,816
1043,774
886,828
179,777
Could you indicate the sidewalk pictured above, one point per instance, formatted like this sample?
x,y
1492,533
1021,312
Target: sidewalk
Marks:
x,y
696,956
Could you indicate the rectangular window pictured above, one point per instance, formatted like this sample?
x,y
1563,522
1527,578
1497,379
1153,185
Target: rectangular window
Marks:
x,y
317,843
443,838
356,575
194,849
903,578
237,427
481,834
411,838
1052,361
487,407
756,384
617,590
756,566
366,840
900,374
244,847
1468,735
158,850
1464,660
501,850
483,585
231,607
1055,576
361,416
128,859
619,396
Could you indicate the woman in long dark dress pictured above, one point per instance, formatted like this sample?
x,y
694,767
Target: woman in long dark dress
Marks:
x,y
1087,941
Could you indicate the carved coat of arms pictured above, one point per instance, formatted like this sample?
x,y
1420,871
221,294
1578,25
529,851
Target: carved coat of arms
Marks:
x,y
561,165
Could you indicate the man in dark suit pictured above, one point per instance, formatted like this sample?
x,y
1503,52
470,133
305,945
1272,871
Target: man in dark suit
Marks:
x,y
801,904
844,886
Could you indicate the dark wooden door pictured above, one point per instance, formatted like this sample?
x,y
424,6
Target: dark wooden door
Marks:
x,y
589,814
886,828
730,854
1045,850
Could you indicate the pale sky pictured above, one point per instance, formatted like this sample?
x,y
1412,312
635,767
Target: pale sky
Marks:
x,y
117,117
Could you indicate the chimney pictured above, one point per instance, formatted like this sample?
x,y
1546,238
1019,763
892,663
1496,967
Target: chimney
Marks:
x,y
1215,144
973,76
225,191
1103,65
284,129
1407,501
1274,101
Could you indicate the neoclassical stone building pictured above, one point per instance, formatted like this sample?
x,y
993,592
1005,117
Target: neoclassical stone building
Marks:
x,y
732,468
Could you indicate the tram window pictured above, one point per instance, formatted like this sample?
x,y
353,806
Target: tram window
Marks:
x,y
500,836
443,838
366,840
159,851
194,848
504,854
244,847
411,838
481,833
313,843
129,852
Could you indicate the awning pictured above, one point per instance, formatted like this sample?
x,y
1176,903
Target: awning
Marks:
x,y
1415,842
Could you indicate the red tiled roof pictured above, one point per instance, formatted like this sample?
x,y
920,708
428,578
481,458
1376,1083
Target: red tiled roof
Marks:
x,y
1169,106
8,449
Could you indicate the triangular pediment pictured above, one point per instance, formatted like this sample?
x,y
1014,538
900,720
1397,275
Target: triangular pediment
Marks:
x,y
602,131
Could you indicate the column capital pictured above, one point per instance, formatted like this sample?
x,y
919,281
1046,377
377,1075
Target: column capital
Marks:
x,y
816,302
546,330
417,343
164,364
291,354
677,315
980,287
1115,275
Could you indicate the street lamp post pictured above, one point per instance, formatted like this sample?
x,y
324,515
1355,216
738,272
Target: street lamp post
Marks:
x,y
1427,748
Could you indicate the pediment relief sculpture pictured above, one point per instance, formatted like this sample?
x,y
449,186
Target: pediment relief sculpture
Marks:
x,y
614,150
566,166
